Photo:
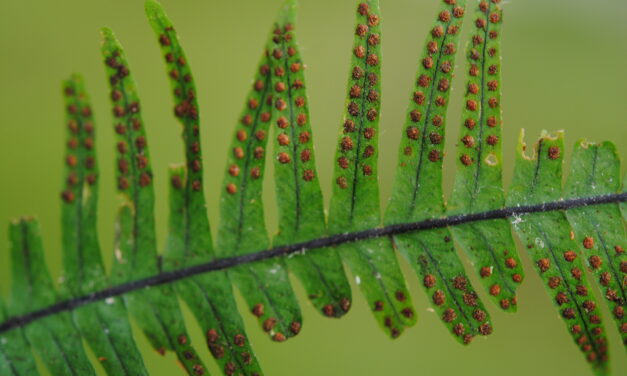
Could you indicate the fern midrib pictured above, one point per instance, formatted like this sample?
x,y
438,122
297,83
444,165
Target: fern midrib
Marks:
x,y
79,199
167,277
597,225
362,115
479,161
244,184
572,297
376,273
423,151
288,76
273,305
57,343
216,314
495,259
106,331
445,281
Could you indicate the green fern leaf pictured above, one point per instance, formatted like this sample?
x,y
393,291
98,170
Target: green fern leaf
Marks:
x,y
417,192
546,236
210,297
15,355
55,338
595,169
265,285
299,198
478,184
355,200
156,310
104,325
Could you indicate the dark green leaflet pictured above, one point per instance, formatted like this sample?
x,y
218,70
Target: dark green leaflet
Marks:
x,y
417,192
55,339
210,297
479,181
599,231
15,355
301,210
547,237
156,309
264,285
355,201
104,325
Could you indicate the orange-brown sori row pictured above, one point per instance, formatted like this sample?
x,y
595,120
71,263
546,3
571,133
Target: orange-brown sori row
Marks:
x,y
80,159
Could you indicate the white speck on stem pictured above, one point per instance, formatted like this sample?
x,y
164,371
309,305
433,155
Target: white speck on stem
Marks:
x,y
357,280
110,301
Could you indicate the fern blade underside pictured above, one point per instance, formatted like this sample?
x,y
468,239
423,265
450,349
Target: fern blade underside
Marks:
x,y
156,310
598,230
478,185
210,297
278,100
103,325
551,248
417,192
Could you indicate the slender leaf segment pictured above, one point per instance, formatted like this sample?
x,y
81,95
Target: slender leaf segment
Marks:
x,y
547,237
417,192
299,198
478,184
599,231
156,310
54,338
210,297
264,285
104,325
355,200
15,356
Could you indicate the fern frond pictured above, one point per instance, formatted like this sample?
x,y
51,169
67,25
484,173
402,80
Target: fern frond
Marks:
x,y
104,325
55,339
599,231
264,285
210,297
299,198
478,183
417,192
355,200
156,310
547,237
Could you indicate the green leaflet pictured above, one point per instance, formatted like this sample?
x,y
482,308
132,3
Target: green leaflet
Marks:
x,y
417,192
599,231
355,201
156,309
104,325
300,206
479,182
56,340
538,179
15,356
210,296
265,285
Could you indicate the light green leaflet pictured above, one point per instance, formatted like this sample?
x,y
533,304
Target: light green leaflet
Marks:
x,y
355,200
417,192
301,211
599,231
104,325
155,309
15,355
478,184
547,238
55,339
265,285
209,296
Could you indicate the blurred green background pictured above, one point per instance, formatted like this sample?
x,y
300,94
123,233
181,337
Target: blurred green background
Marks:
x,y
564,68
